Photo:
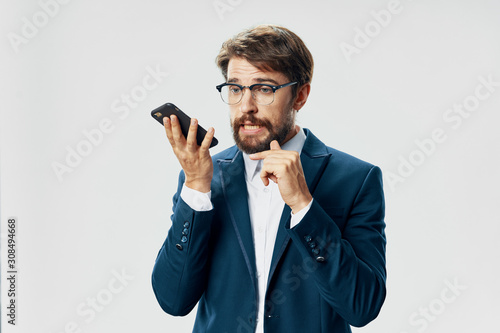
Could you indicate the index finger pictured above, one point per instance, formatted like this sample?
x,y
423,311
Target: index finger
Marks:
x,y
275,145
261,155
168,130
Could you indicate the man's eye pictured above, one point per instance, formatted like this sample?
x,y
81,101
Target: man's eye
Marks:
x,y
234,90
265,90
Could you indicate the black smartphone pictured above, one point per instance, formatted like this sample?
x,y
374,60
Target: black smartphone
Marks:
x,y
184,120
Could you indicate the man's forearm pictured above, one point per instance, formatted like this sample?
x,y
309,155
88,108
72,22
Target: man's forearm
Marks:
x,y
180,269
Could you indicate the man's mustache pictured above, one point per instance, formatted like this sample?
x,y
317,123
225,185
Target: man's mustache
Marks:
x,y
254,120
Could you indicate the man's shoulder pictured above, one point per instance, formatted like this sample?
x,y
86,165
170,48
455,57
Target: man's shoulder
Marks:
x,y
348,160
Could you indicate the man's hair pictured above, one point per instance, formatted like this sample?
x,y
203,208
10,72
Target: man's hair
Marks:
x,y
270,47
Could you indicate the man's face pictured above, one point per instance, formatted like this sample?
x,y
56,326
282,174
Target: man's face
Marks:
x,y
255,126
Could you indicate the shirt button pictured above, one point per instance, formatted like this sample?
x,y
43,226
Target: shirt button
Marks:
x,y
266,189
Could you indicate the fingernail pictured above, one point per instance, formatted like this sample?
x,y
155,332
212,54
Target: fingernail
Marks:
x,y
193,121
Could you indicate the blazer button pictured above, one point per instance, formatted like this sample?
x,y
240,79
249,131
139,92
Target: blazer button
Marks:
x,y
184,239
315,251
320,259
185,231
178,246
308,238
186,224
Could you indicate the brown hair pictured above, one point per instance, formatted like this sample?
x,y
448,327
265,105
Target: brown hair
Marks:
x,y
270,47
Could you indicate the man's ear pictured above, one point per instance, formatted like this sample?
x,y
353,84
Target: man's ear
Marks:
x,y
302,94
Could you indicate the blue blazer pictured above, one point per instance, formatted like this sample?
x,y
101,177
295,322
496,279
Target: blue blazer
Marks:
x,y
327,273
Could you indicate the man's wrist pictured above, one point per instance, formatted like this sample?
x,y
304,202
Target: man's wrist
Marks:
x,y
301,204
201,186
297,217
196,200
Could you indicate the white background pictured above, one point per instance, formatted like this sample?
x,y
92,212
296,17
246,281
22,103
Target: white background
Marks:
x,y
111,213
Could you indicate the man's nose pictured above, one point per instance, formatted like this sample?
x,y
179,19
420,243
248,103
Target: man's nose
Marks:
x,y
247,103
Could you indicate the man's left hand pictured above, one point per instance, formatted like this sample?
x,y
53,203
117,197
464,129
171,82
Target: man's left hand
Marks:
x,y
284,168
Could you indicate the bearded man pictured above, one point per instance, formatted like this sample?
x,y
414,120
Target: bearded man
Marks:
x,y
278,233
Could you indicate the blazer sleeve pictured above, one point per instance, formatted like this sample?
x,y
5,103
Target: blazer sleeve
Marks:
x,y
179,273
350,264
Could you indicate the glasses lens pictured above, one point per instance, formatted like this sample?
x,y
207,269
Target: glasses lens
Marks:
x,y
263,94
231,94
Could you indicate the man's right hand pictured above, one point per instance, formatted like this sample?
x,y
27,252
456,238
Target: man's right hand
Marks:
x,y
195,160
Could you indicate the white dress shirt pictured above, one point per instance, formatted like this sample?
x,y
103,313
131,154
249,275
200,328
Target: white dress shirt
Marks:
x,y
265,206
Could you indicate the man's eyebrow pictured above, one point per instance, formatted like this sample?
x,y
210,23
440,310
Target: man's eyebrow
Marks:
x,y
260,80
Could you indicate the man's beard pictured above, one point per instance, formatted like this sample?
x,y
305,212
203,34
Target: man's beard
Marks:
x,y
251,145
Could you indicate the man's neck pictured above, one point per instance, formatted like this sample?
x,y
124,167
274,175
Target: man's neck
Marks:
x,y
291,134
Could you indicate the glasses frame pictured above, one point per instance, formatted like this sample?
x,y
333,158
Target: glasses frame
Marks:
x,y
274,88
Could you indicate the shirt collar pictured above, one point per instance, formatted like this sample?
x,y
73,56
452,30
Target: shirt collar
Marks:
x,y
253,167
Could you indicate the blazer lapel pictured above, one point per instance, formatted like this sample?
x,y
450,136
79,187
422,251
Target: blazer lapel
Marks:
x,y
314,157
232,175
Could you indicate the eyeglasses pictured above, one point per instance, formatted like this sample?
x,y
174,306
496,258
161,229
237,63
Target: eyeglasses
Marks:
x,y
263,94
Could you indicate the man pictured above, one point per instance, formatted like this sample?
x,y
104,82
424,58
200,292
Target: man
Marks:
x,y
279,233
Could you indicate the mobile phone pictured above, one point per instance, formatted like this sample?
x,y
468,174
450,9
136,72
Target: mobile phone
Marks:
x,y
184,120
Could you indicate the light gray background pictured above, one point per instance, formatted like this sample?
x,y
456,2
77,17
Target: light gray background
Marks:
x,y
111,213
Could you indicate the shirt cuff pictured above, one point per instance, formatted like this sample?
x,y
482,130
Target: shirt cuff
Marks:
x,y
297,217
197,200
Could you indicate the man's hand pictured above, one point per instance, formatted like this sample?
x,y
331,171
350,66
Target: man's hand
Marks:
x,y
283,167
195,160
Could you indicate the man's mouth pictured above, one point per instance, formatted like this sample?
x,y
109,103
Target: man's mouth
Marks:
x,y
251,127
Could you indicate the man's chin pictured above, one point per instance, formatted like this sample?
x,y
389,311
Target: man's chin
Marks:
x,y
252,145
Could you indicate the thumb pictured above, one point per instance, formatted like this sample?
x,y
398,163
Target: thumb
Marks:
x,y
275,145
